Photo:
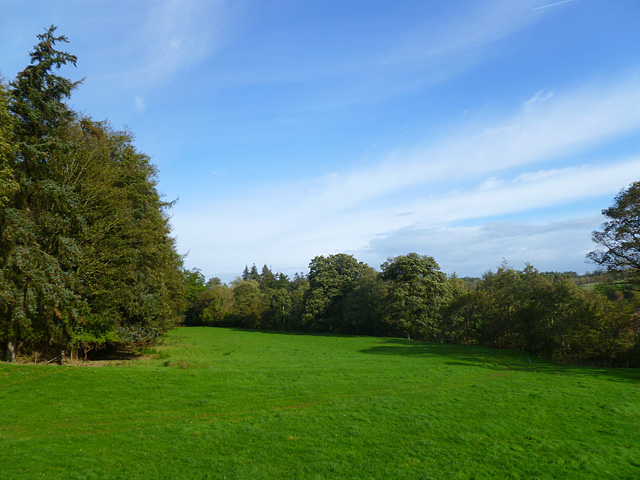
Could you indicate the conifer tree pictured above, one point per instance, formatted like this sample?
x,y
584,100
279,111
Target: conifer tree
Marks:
x,y
245,273
253,274
8,184
267,278
86,256
39,254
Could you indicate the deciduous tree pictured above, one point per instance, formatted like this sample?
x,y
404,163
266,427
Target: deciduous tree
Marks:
x,y
417,289
619,236
331,280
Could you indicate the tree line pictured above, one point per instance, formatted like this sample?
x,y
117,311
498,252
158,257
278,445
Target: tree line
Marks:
x,y
526,310
86,256
87,260
542,313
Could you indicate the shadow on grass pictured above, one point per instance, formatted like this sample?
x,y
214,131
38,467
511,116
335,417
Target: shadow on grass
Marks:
x,y
115,355
495,359
471,356
299,333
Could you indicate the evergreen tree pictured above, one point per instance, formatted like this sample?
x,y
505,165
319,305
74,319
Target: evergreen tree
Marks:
x,y
130,272
39,253
253,274
86,257
194,283
267,278
216,305
8,184
250,304
245,274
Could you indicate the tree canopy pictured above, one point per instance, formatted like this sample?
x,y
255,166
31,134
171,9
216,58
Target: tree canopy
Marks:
x,y
86,257
417,289
619,236
332,280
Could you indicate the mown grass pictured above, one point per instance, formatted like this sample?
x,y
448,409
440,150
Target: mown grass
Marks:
x,y
221,403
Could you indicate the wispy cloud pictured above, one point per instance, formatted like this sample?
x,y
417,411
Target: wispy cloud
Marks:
x,y
174,35
341,72
336,71
561,126
542,7
551,246
140,103
539,97
466,177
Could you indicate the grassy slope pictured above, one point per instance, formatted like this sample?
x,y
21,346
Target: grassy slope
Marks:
x,y
236,404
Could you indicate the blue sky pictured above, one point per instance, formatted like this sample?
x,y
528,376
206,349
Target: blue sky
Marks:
x,y
471,131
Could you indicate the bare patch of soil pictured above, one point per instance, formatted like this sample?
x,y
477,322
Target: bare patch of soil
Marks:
x,y
94,359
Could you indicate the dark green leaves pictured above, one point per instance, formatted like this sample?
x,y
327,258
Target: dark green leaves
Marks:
x,y
417,289
619,237
86,257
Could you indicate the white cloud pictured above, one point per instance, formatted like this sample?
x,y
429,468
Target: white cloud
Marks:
x,y
560,127
482,24
542,7
539,97
175,35
551,246
140,104
287,234
490,183
469,176
542,174
540,190
426,50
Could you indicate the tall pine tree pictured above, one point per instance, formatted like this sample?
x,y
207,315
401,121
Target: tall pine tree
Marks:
x,y
39,255
86,256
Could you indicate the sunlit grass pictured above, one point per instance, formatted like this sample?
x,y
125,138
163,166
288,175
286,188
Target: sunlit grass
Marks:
x,y
219,402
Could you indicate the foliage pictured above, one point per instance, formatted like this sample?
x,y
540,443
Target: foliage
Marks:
x,y
86,257
132,272
195,284
619,236
40,224
216,305
461,318
272,301
332,280
8,185
417,290
553,318
250,302
364,306
544,314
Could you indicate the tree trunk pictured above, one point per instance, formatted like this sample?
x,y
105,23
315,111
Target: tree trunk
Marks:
x,y
61,358
10,354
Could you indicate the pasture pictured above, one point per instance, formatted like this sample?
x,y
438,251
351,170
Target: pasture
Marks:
x,y
223,403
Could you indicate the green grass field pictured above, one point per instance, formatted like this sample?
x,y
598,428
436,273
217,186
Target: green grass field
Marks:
x,y
222,403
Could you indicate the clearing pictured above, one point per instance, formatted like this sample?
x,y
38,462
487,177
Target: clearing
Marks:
x,y
224,403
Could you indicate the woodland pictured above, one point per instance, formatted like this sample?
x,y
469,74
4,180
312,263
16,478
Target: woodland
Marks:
x,y
88,263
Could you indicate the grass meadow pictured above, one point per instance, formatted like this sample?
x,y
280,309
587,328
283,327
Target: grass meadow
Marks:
x,y
224,403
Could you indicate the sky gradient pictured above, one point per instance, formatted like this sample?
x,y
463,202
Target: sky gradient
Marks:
x,y
471,131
